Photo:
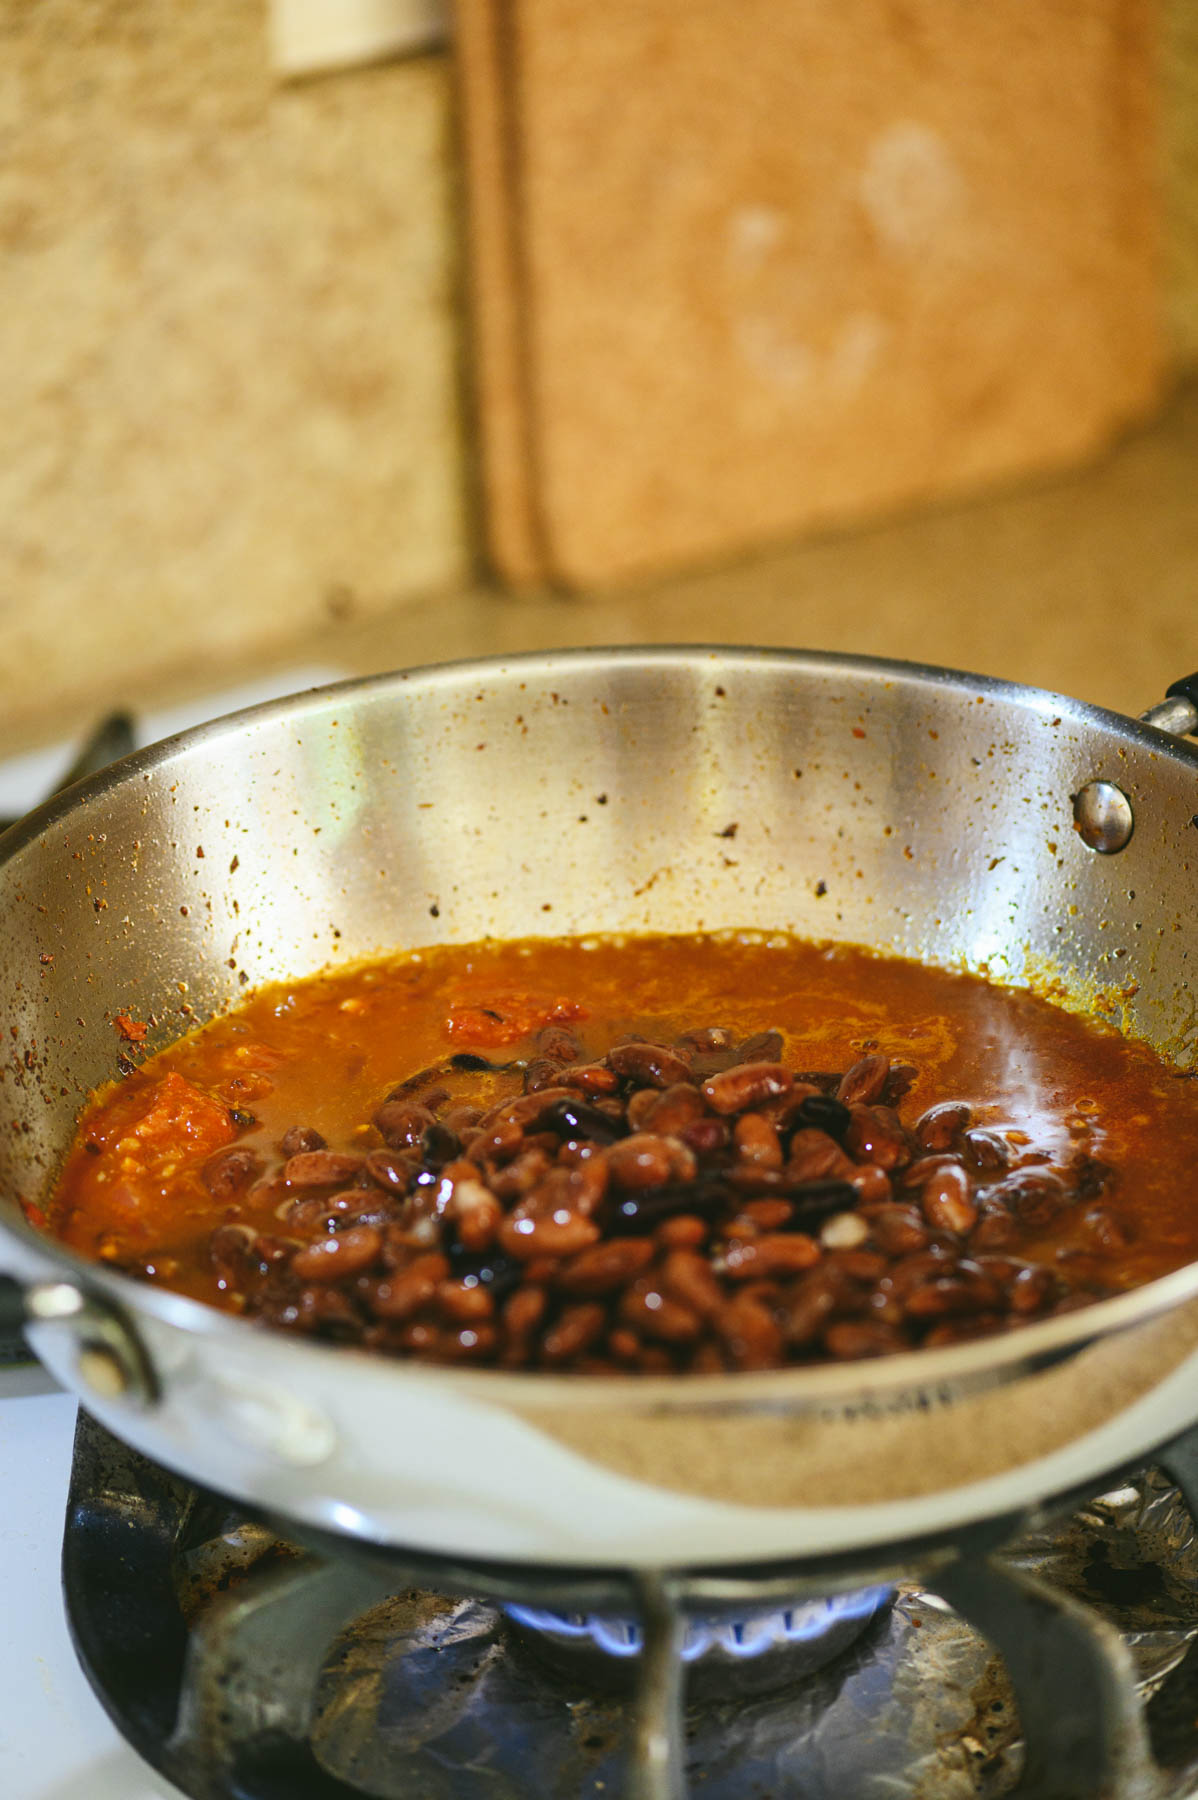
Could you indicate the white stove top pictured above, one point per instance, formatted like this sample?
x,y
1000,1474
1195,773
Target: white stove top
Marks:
x,y
56,1741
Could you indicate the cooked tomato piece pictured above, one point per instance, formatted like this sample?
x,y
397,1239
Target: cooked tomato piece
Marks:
x,y
505,1018
146,1137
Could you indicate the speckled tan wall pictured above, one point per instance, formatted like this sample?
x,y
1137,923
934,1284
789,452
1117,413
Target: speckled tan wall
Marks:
x,y
227,343
1179,70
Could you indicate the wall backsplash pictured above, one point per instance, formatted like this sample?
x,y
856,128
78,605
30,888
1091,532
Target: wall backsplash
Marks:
x,y
228,340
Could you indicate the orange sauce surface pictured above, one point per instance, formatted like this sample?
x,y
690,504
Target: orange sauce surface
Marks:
x,y
324,1052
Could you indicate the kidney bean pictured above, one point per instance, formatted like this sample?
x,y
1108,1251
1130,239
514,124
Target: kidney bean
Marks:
x,y
640,1105
768,1215
917,1172
464,1303
858,1265
747,1085
575,1330
624,1344
475,1211
402,1123
527,1110
996,1229
322,1168
687,1277
649,1065
764,1046
559,1233
946,1201
398,1296
872,1184
945,1294
589,1078
940,1125
814,1200
814,1155
757,1141
646,1161
987,1151
522,1313
572,1118
333,1258
823,1113
606,1267
1108,1230
669,1110
751,1333
705,1136
809,1306
863,1083
875,1135
898,1230
685,1231
557,1042
299,1138
230,1248
229,1171
1035,1196
653,1314
709,1037
521,1175
389,1170
768,1256
848,1340
645,1210
496,1142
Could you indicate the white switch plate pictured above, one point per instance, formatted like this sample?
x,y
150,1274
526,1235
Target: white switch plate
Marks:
x,y
310,35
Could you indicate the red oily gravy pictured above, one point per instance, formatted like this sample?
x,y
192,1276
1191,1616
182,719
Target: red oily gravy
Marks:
x,y
323,1053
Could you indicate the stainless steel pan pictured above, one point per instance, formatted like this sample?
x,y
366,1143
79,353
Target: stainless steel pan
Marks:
x,y
908,808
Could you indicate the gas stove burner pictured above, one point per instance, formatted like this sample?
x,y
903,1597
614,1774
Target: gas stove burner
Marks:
x,y
723,1656
1053,1656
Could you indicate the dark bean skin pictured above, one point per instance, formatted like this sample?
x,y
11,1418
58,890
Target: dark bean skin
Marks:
x,y
230,1171
333,1258
987,1151
575,1118
747,1085
606,1267
590,1078
298,1138
649,1065
875,1136
670,1110
939,1127
660,1209
863,1083
321,1168
402,1123
823,1112
705,1136
556,1042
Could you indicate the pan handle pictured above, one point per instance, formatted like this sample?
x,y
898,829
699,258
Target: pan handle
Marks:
x,y
1178,713
110,1361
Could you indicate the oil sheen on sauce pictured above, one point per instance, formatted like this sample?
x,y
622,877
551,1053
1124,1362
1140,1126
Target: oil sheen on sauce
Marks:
x,y
322,1053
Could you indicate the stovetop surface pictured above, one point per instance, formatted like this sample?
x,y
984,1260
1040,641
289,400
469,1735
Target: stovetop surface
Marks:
x,y
56,1742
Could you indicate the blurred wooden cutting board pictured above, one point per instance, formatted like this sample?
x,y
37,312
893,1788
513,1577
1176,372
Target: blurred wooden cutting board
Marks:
x,y
741,270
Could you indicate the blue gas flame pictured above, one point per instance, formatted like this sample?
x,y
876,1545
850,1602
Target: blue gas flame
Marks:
x,y
743,1639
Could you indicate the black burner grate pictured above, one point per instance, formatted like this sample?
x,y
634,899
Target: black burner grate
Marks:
x,y
248,1666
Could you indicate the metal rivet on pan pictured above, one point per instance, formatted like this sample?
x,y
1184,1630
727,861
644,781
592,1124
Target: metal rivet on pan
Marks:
x,y
1103,817
101,1370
